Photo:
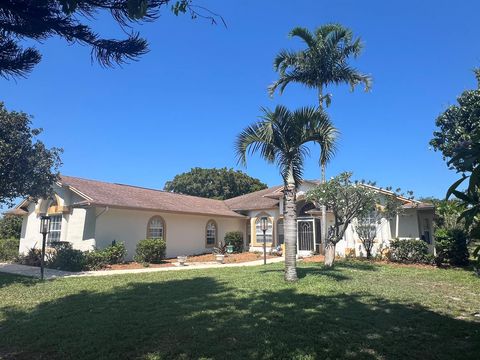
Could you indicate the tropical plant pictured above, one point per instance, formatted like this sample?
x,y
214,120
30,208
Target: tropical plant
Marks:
x,y
347,201
323,63
40,20
369,224
451,247
281,137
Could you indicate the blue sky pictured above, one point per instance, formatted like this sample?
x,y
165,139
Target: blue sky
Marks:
x,y
183,103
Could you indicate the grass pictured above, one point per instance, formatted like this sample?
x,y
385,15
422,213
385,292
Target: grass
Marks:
x,y
356,311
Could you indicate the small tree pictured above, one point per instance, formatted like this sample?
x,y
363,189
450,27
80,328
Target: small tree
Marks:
x,y
370,224
347,201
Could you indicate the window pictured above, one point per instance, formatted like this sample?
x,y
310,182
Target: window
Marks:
x,y
55,229
259,232
249,233
156,228
280,237
211,233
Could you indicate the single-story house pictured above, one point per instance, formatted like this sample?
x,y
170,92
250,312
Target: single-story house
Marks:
x,y
93,214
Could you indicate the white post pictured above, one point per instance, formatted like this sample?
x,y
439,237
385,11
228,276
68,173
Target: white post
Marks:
x,y
397,222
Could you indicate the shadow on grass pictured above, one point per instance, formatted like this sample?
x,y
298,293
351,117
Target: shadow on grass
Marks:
x,y
9,279
335,273
204,318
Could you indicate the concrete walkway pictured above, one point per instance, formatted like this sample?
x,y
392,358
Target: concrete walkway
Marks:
x,y
53,274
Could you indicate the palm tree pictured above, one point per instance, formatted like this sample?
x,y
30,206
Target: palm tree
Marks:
x,y
281,137
324,62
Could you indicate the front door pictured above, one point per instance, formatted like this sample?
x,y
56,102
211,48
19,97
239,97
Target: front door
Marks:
x,y
305,235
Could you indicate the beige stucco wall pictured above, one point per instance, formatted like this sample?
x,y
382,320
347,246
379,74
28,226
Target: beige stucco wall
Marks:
x,y
185,234
74,223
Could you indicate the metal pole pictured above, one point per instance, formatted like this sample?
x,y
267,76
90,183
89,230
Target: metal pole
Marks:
x,y
42,265
264,248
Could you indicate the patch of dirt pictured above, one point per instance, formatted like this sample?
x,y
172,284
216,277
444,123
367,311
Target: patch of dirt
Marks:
x,y
314,259
229,258
203,258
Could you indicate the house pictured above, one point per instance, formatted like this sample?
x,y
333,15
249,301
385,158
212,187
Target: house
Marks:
x,y
93,214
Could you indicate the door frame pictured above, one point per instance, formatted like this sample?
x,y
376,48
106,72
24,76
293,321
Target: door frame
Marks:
x,y
312,221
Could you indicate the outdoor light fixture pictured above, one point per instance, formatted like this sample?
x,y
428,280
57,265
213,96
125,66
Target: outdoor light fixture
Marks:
x,y
44,230
44,224
264,227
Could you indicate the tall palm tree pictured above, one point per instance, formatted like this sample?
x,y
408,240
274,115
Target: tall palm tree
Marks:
x,y
324,62
281,137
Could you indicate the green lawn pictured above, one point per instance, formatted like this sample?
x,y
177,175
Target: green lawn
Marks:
x,y
358,310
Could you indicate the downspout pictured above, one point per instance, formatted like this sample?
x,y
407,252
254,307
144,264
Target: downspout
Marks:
x,y
397,222
102,212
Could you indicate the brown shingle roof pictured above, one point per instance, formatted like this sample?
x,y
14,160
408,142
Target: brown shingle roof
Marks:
x,y
257,200
126,196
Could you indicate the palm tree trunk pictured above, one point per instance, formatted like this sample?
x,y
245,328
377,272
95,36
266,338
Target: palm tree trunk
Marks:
x,y
329,254
323,225
290,229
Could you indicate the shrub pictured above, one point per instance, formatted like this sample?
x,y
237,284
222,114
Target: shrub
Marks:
x,y
66,258
115,253
234,238
32,257
409,251
9,249
451,247
150,251
95,260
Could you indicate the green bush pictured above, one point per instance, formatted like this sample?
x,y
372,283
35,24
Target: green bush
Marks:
x,y
150,251
115,253
9,249
66,258
234,238
451,247
409,251
95,260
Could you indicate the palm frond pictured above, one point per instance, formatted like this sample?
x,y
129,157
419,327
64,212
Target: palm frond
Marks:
x,y
305,35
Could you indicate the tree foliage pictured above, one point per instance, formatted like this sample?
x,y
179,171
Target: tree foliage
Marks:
x,y
349,200
71,19
214,183
281,137
369,225
27,167
457,129
324,62
10,227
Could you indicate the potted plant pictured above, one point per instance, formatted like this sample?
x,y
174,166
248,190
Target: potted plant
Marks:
x,y
182,260
219,253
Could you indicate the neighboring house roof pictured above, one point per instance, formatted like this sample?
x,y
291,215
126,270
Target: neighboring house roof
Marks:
x,y
258,200
100,193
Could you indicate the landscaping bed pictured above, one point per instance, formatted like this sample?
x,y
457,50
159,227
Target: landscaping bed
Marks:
x,y
229,258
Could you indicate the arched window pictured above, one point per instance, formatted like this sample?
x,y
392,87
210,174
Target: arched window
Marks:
x,y
259,232
156,228
280,237
211,233
305,208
